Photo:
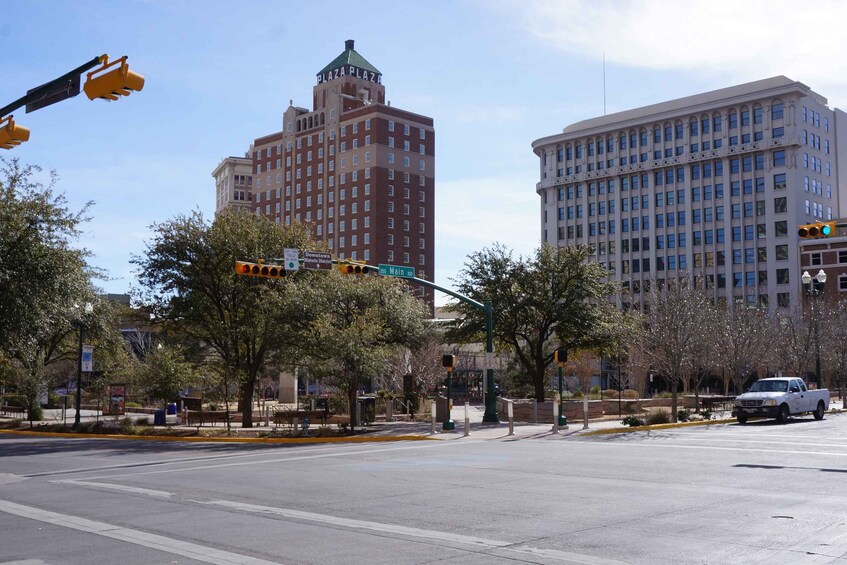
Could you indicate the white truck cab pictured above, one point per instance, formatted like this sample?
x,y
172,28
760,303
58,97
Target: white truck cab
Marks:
x,y
780,398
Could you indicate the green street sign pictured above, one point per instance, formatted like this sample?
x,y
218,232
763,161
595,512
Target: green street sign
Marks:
x,y
396,271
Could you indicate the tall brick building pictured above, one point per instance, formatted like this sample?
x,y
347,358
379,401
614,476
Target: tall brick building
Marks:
x,y
357,170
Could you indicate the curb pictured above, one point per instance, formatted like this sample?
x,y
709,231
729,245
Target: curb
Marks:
x,y
352,439
626,430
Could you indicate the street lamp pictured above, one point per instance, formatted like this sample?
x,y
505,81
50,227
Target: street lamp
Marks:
x,y
80,325
814,288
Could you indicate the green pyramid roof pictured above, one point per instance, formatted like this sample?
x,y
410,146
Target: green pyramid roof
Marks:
x,y
349,57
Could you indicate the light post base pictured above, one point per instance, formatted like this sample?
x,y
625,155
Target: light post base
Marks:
x,y
448,426
563,422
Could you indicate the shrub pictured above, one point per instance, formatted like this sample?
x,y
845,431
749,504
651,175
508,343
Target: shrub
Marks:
x,y
142,422
632,421
630,394
213,407
35,413
706,414
610,393
683,415
133,405
595,390
577,394
659,417
53,400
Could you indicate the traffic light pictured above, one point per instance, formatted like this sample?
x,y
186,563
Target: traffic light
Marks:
x,y
561,355
259,270
12,134
448,362
816,230
351,267
117,82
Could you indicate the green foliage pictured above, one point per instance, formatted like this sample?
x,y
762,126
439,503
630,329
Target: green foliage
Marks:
x,y
163,373
35,412
632,421
577,394
683,415
555,298
659,417
595,390
706,414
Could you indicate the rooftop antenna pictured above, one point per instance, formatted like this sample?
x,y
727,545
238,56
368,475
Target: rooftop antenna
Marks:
x,y
604,83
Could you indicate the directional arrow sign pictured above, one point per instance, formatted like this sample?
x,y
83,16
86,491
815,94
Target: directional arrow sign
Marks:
x,y
396,271
292,259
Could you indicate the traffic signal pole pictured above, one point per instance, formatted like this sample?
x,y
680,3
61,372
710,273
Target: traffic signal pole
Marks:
x,y
490,415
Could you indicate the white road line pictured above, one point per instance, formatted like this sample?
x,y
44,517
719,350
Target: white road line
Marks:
x,y
137,537
418,533
418,445
756,441
123,488
661,445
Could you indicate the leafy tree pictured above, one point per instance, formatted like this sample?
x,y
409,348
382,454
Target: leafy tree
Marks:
x,y
43,278
556,298
163,373
188,281
352,325
676,324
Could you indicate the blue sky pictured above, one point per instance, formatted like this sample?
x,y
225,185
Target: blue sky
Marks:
x,y
495,75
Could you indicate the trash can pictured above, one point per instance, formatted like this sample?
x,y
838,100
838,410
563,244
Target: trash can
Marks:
x,y
159,418
172,408
368,409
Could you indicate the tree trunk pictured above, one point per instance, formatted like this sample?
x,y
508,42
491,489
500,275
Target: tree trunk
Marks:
x,y
245,402
351,399
674,398
538,381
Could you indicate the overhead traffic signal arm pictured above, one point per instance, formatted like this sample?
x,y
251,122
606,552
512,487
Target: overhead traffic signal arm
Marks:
x,y
117,82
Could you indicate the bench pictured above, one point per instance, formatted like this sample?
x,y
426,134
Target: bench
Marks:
x,y
287,417
200,417
13,411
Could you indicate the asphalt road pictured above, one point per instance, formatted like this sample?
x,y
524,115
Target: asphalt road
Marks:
x,y
760,493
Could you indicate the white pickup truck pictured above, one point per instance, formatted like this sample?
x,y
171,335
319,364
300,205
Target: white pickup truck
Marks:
x,y
780,398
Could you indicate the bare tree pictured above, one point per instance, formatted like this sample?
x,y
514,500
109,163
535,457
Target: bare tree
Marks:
x,y
834,342
742,341
676,326
793,342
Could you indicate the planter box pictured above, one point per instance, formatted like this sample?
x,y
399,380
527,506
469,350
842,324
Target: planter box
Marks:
x,y
542,412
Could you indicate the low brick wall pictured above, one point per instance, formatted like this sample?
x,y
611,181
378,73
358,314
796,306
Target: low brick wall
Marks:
x,y
525,411
626,406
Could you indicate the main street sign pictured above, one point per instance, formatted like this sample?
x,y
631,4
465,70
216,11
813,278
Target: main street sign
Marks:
x,y
396,271
317,260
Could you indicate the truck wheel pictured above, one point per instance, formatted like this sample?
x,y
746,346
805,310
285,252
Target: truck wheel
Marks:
x,y
741,419
819,411
782,415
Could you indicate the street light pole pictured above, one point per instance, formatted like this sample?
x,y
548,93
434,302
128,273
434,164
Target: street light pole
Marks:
x,y
814,288
88,309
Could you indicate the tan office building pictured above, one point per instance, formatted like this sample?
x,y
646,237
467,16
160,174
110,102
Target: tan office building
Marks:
x,y
712,185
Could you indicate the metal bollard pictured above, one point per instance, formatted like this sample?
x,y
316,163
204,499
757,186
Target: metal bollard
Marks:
x,y
585,412
534,411
511,415
432,420
555,416
467,419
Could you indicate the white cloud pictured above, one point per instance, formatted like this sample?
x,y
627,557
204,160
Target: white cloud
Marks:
x,y
475,213
740,40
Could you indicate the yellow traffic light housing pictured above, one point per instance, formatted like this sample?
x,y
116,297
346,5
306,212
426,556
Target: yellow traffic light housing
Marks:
x,y
561,355
113,84
11,134
817,230
352,267
259,270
